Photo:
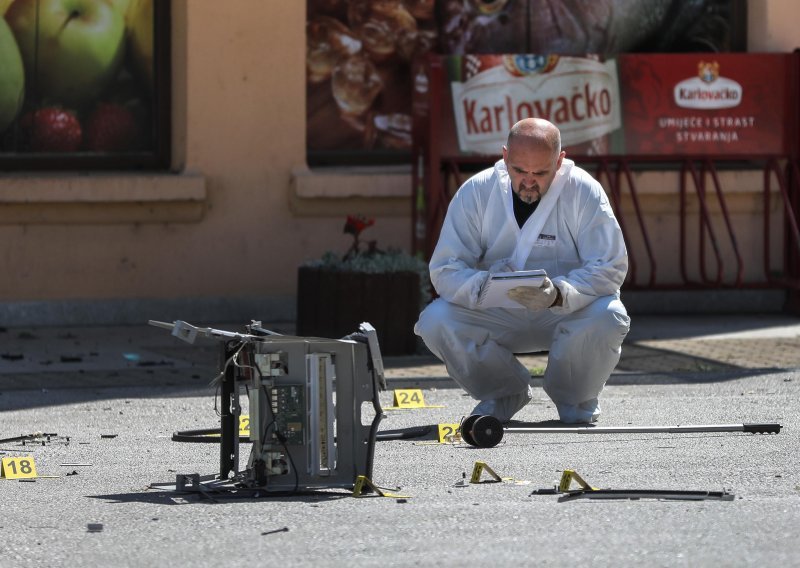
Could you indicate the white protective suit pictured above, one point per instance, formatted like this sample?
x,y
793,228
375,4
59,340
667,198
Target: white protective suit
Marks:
x,y
575,237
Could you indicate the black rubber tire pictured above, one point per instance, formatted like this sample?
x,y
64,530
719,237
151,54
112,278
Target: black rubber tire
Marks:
x,y
466,429
487,432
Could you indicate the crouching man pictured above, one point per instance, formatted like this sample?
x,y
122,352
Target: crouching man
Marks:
x,y
533,209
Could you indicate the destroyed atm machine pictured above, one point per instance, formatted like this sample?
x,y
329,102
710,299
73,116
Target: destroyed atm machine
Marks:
x,y
308,401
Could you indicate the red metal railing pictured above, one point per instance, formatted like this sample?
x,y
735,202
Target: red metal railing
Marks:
x,y
709,255
698,176
613,179
700,180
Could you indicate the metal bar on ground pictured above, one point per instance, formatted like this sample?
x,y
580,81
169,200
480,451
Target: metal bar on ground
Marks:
x,y
770,428
647,494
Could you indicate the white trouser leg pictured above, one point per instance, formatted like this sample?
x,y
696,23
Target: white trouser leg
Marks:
x,y
478,346
470,344
586,347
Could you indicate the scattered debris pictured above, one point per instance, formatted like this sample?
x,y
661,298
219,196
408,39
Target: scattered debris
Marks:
x,y
284,529
663,494
586,491
34,436
161,363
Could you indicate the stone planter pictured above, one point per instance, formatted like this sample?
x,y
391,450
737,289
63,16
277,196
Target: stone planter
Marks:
x,y
333,303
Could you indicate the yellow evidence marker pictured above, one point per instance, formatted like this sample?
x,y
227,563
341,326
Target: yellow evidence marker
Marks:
x,y
244,425
449,433
568,477
18,468
409,398
363,484
481,467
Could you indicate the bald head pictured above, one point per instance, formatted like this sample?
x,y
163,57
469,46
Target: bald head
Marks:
x,y
532,156
535,132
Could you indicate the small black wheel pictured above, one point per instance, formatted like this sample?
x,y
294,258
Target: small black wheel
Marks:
x,y
466,429
487,431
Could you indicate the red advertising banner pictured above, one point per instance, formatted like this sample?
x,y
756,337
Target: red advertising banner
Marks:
x,y
664,107
705,104
660,105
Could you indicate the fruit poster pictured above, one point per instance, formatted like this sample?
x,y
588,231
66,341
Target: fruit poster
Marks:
x,y
76,77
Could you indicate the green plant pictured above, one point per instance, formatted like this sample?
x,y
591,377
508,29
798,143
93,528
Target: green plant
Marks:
x,y
365,256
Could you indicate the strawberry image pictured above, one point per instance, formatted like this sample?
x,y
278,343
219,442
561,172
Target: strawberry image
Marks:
x,y
51,129
111,127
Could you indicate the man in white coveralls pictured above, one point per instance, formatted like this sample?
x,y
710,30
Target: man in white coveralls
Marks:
x,y
533,210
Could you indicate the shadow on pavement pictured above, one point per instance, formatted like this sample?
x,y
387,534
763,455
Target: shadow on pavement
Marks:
x,y
161,497
38,392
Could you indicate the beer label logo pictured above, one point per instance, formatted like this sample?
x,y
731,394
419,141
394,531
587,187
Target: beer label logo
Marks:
x,y
708,71
708,90
521,65
579,94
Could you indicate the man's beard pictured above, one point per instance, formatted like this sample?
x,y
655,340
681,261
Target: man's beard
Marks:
x,y
529,194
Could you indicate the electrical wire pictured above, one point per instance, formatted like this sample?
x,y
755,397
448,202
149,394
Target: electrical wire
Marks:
x,y
211,435
218,378
279,435
276,433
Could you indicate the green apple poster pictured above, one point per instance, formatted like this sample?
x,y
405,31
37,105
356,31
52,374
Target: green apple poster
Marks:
x,y
76,76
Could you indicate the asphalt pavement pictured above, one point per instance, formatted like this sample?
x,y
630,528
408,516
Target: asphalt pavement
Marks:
x,y
112,397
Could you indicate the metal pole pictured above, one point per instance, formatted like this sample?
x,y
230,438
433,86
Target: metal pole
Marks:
x,y
229,429
751,428
487,431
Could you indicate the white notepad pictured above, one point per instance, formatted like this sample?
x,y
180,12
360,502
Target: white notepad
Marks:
x,y
495,292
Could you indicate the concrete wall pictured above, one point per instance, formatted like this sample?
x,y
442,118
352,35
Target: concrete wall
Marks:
x,y
221,237
225,226
772,25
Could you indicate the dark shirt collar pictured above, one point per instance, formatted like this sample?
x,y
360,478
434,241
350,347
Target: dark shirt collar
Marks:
x,y
522,210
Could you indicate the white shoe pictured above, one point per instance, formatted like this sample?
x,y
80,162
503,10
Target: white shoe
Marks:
x,y
505,407
583,413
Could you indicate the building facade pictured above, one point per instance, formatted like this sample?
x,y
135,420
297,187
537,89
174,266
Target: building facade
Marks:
x,y
219,237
